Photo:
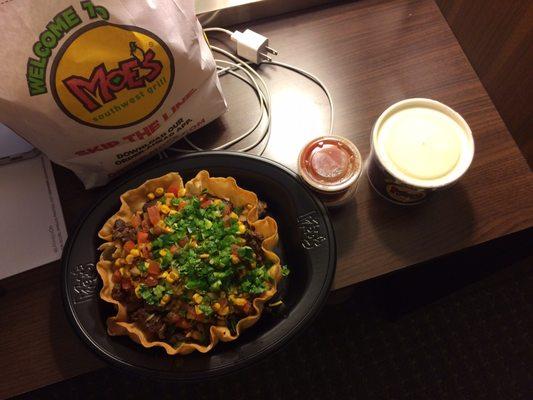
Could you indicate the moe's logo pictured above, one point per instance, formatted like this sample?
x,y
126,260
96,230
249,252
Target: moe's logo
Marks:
x,y
103,75
111,76
107,84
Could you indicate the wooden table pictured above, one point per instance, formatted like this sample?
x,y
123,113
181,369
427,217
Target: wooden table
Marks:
x,y
370,54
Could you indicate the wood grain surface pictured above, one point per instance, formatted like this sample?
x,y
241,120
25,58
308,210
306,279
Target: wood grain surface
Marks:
x,y
370,54
497,38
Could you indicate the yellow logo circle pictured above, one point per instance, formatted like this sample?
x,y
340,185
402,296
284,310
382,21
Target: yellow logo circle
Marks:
x,y
112,76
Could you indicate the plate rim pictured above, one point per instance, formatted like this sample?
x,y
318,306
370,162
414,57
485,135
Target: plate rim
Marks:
x,y
169,375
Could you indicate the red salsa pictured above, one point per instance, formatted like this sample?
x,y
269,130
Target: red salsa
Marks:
x,y
331,165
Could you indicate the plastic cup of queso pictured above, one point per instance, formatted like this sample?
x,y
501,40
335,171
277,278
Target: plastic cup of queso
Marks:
x,y
419,146
331,166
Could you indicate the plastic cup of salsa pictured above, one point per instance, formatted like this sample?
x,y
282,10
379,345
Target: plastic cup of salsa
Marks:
x,y
331,166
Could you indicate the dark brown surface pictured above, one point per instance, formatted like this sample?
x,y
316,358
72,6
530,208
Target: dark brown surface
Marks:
x,y
457,335
497,38
370,54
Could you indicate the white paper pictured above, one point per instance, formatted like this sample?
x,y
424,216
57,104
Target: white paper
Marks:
x,y
32,228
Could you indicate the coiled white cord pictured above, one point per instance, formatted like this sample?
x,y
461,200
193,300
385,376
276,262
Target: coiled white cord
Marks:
x,y
253,79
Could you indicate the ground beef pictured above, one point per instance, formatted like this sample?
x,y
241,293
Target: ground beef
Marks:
x,y
127,298
254,241
149,204
177,338
123,231
153,325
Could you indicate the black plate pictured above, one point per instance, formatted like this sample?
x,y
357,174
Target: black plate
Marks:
x,y
307,245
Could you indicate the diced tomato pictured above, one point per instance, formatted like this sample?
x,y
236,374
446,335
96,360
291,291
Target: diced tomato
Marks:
x,y
174,188
191,314
173,248
183,323
145,252
150,281
126,284
129,245
142,237
153,215
117,276
172,317
223,302
184,241
136,221
157,230
247,308
181,205
227,220
153,268
145,225
206,203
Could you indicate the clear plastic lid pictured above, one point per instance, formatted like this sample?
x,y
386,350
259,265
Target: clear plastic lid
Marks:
x,y
330,163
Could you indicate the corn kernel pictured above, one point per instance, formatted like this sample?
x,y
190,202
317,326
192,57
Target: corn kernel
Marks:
x,y
162,252
172,212
129,259
204,255
223,311
121,270
159,191
138,291
217,201
164,274
253,264
174,275
182,192
239,302
216,306
165,209
197,310
197,298
171,277
233,215
242,227
119,262
169,195
165,299
135,252
234,259
150,196
161,224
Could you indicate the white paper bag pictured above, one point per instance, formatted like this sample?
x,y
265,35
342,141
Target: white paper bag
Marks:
x,y
99,85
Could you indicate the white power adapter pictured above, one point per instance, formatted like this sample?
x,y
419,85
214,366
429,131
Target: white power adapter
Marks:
x,y
252,46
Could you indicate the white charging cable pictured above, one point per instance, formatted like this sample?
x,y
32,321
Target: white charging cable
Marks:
x,y
252,48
